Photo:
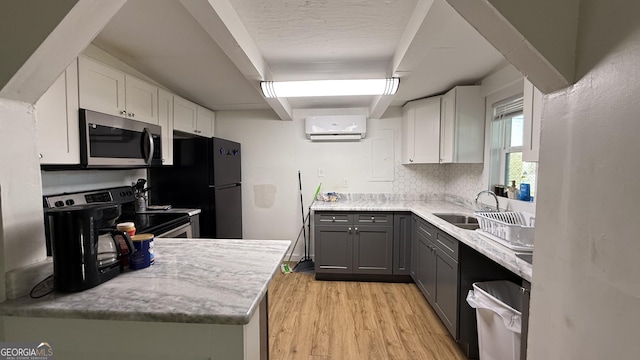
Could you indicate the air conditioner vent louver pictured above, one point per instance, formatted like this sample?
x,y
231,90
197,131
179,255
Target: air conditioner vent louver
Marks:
x,y
336,127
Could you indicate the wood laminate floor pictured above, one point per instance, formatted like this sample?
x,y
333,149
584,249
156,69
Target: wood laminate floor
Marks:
x,y
335,320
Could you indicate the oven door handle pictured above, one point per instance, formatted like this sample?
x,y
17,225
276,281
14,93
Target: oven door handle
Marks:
x,y
186,229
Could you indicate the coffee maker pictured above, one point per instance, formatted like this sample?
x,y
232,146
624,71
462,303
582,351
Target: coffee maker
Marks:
x,y
86,248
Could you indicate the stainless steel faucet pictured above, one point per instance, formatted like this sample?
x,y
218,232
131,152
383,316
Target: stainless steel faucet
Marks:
x,y
490,193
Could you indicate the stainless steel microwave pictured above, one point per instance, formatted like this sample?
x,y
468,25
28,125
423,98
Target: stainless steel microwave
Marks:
x,y
108,141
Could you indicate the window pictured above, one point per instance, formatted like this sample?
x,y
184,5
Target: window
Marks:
x,y
507,137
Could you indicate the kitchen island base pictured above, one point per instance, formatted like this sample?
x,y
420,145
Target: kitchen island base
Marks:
x,y
81,339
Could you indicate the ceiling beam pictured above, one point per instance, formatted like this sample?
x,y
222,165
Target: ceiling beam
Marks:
x,y
72,35
423,25
220,20
537,37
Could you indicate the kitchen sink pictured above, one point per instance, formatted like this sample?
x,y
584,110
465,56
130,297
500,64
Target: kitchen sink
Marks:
x,y
460,220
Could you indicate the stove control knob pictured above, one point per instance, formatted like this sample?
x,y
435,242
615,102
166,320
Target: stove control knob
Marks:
x,y
70,202
59,203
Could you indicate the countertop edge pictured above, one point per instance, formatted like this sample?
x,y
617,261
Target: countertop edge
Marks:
x,y
469,237
26,307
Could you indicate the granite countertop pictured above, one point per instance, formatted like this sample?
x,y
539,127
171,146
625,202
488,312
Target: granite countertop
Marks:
x,y
425,209
211,281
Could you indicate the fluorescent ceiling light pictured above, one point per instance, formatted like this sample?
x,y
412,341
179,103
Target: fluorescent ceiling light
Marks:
x,y
284,89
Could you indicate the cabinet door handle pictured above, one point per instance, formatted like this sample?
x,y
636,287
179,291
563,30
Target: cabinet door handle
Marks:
x,y
356,230
131,114
373,219
123,112
410,160
333,218
349,231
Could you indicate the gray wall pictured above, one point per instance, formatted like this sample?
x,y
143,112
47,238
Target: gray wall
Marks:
x,y
585,297
24,25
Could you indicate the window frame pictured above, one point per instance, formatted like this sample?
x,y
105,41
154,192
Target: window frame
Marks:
x,y
506,144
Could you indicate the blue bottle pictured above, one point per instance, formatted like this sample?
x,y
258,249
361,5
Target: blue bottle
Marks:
x,y
525,192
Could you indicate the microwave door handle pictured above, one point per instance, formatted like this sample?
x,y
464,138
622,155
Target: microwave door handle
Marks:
x,y
150,145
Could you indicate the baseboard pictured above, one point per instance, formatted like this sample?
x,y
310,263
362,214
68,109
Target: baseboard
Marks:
x,y
365,277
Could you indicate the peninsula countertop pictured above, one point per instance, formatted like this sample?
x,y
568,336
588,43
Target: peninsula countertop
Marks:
x,y
210,281
425,209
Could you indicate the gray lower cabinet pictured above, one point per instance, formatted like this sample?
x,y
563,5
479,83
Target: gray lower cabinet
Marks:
x,y
424,234
334,249
365,243
436,271
426,268
446,299
414,248
402,234
353,243
373,249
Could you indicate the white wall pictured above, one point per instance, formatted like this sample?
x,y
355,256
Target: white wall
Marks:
x,y
586,296
274,151
21,190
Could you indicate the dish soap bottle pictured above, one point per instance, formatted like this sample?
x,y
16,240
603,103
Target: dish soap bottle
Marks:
x,y
512,191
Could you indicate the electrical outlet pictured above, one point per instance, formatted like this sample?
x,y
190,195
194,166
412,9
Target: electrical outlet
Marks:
x,y
345,182
320,172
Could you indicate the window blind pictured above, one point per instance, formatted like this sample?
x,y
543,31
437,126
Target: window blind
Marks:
x,y
508,108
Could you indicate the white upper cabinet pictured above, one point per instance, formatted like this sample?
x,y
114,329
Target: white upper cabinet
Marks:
x,y
462,126
141,100
192,118
184,114
421,131
57,125
205,120
101,87
110,91
532,112
165,120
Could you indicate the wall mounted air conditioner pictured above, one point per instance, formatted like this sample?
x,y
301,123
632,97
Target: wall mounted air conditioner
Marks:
x,y
336,127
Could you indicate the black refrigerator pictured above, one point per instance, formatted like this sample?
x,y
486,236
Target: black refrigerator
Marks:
x,y
205,175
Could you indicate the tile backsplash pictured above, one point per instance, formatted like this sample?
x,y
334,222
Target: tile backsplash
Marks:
x,y
58,182
459,180
420,179
464,180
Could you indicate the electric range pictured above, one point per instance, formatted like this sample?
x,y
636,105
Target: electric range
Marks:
x,y
159,224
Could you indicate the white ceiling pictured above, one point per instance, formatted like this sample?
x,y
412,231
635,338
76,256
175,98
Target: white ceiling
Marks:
x,y
215,53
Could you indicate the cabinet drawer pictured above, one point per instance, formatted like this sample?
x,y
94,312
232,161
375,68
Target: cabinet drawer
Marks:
x,y
374,218
447,244
333,218
426,229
